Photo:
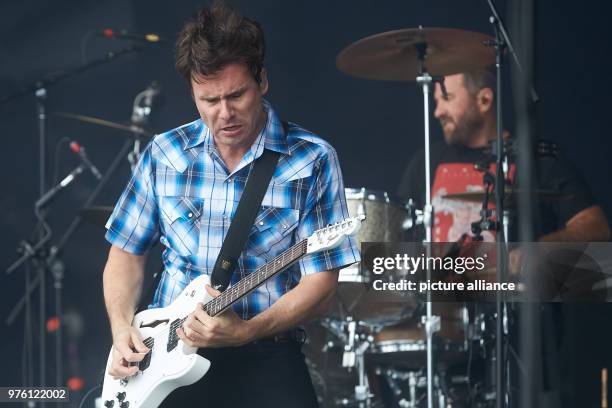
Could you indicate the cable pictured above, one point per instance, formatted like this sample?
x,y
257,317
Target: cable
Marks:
x,y
88,393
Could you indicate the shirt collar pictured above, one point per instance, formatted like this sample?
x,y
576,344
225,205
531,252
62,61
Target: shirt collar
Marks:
x,y
273,135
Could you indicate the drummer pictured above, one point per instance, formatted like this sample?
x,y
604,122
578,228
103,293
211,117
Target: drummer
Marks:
x,y
468,120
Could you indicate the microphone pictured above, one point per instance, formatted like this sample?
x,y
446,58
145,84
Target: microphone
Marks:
x,y
151,93
80,150
126,35
144,103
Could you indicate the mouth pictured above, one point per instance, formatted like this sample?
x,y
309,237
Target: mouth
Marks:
x,y
446,123
232,129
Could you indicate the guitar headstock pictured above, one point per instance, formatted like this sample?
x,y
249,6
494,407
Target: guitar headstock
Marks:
x,y
330,237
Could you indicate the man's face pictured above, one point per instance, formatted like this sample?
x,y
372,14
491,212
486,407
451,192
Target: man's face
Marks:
x,y
230,103
459,115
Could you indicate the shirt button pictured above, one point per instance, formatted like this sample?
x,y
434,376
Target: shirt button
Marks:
x,y
284,227
190,215
260,222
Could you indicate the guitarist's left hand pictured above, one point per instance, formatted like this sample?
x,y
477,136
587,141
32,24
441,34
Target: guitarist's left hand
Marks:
x,y
226,329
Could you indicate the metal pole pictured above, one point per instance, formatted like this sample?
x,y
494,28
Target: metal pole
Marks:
x,y
41,95
431,322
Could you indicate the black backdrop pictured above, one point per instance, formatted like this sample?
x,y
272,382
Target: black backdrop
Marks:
x,y
375,126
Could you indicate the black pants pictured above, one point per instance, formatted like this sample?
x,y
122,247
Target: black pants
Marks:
x,y
264,374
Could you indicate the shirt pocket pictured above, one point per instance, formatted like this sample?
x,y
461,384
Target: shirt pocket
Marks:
x,y
181,223
272,232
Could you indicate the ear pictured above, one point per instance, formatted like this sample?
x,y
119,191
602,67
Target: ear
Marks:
x,y
263,84
484,100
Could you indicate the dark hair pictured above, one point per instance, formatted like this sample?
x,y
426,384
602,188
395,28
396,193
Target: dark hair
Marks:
x,y
479,79
216,37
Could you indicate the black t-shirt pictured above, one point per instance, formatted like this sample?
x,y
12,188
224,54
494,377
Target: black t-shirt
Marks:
x,y
452,171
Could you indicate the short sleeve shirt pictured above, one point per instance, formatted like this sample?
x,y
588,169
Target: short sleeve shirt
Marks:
x,y
183,195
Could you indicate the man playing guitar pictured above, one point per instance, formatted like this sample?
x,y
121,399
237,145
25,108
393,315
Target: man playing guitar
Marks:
x,y
185,191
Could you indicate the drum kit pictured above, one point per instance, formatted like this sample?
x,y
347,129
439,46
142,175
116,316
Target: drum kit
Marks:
x,y
376,348
371,349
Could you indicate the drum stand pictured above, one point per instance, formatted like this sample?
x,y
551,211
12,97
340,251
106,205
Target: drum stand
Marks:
x,y
356,342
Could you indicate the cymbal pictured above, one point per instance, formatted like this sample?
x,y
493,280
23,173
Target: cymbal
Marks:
x,y
107,123
97,215
511,195
393,56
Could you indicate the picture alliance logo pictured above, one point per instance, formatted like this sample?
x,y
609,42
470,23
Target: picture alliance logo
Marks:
x,y
412,264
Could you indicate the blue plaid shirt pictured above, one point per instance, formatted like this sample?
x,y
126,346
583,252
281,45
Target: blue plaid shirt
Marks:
x,y
183,194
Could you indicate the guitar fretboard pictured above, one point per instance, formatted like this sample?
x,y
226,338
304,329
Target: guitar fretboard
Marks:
x,y
253,280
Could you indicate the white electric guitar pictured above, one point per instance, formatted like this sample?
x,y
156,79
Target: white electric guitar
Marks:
x,y
171,363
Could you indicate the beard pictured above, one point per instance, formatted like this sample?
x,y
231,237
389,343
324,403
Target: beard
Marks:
x,y
466,127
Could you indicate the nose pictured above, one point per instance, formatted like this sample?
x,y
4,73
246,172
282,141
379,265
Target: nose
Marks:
x,y
227,110
440,108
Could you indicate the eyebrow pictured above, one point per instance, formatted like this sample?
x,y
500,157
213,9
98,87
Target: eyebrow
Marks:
x,y
237,92
440,95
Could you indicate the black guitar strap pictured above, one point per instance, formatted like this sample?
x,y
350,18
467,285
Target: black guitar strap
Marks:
x,y
248,207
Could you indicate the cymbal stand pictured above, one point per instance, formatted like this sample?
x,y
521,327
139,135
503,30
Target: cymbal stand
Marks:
x,y
431,323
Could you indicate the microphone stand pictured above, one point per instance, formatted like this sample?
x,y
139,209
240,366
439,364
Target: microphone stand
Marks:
x,y
501,43
46,260
39,89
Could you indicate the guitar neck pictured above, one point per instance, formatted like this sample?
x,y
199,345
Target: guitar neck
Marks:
x,y
255,279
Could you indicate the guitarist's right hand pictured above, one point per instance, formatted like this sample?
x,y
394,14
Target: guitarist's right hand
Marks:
x,y
127,348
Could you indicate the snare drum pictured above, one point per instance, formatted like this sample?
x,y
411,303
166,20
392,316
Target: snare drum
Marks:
x,y
383,223
404,345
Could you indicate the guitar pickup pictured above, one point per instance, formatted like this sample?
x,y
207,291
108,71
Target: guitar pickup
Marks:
x,y
154,323
172,336
146,361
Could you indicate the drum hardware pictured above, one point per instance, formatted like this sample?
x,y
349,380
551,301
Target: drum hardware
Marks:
x,y
401,55
39,88
129,127
486,223
406,388
394,56
431,324
356,339
414,216
374,309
